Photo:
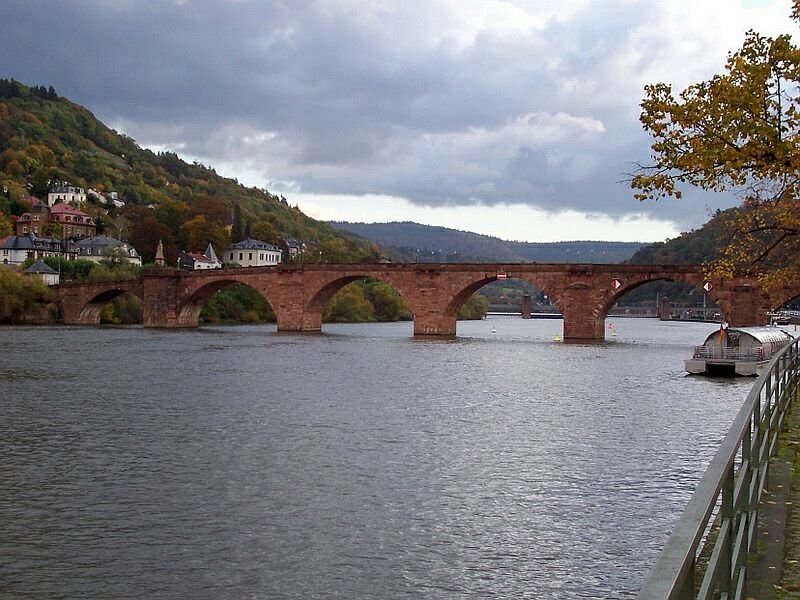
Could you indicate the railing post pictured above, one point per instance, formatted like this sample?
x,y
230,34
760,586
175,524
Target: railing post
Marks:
x,y
726,513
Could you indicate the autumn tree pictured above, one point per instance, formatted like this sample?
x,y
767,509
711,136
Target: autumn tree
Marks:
x,y
20,294
145,236
264,231
213,209
737,132
172,213
197,233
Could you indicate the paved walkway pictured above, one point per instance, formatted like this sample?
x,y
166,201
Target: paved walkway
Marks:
x,y
775,571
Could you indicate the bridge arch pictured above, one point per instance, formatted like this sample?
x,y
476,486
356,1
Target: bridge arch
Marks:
x,y
612,297
314,307
784,297
459,299
188,311
91,312
83,303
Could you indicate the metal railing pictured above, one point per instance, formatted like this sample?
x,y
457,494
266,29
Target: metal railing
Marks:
x,y
719,524
748,353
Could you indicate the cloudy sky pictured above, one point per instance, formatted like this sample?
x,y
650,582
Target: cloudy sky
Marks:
x,y
514,118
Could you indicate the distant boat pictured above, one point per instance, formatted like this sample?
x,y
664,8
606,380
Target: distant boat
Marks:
x,y
737,351
494,329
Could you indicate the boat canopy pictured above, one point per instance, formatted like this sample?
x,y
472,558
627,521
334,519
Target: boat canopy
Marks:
x,y
762,335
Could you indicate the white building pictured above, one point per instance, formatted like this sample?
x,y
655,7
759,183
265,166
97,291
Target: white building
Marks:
x,y
41,269
198,262
252,253
61,191
16,249
95,249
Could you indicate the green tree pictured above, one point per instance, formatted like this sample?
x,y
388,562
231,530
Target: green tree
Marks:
x,y
20,294
238,227
197,233
739,132
172,213
264,231
474,308
349,305
114,256
387,304
53,230
5,226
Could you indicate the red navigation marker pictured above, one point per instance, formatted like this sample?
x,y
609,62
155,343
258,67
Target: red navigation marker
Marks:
x,y
615,283
707,286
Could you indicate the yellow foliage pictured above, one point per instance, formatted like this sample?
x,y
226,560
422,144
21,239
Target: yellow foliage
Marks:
x,y
737,132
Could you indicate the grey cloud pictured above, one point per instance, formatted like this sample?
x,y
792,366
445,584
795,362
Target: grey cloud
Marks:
x,y
356,101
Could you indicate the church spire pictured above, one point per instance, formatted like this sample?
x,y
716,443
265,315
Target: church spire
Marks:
x,y
160,255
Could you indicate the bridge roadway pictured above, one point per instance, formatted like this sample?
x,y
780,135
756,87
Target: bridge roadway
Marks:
x,y
298,293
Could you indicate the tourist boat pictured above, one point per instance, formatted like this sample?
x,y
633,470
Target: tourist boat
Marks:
x,y
737,351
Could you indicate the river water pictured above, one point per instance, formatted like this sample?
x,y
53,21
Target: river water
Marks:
x,y
235,462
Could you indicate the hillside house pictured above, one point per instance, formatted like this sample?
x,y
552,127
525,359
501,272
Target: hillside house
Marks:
x,y
96,249
16,249
44,271
294,249
61,191
252,253
75,224
197,262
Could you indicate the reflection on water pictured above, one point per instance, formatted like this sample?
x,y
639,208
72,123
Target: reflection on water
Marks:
x,y
233,462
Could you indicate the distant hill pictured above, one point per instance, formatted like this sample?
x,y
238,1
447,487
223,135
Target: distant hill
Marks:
x,y
406,241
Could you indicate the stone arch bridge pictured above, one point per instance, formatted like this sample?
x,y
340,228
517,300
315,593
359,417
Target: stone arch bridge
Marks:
x,y
434,293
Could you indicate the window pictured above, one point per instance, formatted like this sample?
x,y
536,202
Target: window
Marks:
x,y
240,256
24,229
249,256
231,258
261,256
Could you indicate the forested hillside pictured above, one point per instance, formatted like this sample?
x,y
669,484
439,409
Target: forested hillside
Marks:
x,y
699,246
45,138
412,242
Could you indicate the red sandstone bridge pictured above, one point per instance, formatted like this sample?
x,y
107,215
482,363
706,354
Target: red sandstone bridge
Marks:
x,y
434,293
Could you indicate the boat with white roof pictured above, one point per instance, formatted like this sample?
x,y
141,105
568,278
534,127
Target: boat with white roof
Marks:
x,y
737,351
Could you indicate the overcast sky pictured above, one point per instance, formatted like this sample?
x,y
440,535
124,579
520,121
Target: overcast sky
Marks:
x,y
514,118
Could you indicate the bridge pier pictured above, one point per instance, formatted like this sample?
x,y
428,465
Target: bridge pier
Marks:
x,y
581,303
433,324
582,326
293,318
743,304
160,304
